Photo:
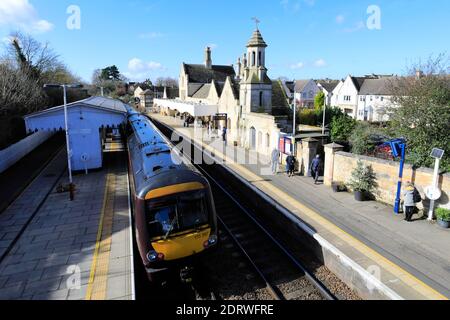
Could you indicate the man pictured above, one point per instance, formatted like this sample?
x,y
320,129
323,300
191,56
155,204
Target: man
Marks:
x,y
290,165
274,159
224,135
315,166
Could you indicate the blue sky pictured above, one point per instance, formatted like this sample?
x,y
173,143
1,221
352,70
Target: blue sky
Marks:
x,y
306,38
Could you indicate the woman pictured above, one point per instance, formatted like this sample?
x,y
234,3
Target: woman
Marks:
x,y
410,201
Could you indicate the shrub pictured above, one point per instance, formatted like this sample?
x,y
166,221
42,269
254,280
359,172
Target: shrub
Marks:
x,y
365,138
363,178
307,117
341,127
443,214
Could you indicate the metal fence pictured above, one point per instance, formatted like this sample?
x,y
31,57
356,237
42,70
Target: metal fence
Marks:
x,y
14,153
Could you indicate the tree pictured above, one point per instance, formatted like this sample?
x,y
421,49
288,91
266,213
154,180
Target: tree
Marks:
x,y
110,73
166,82
319,101
341,128
422,115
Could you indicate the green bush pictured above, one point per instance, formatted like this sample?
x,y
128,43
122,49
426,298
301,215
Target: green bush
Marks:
x,y
307,117
363,178
341,127
365,138
443,214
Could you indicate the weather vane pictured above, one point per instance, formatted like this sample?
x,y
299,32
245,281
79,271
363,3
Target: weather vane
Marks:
x,y
257,21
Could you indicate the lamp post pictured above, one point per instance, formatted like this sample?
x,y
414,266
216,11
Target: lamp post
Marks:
x,y
69,152
294,123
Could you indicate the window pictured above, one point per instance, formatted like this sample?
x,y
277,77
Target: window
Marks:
x,y
176,214
382,98
347,98
371,98
253,58
260,99
259,58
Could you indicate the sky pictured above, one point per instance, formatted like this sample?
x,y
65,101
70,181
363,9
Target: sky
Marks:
x,y
306,38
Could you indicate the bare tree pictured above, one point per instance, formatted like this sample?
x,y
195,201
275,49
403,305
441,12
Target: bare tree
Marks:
x,y
18,93
166,82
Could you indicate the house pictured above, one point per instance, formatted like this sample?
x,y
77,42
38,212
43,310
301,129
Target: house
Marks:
x,y
375,99
305,92
327,86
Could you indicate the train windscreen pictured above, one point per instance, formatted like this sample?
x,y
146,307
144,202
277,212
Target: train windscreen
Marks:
x,y
175,214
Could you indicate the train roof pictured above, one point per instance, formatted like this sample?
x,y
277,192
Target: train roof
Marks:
x,y
152,156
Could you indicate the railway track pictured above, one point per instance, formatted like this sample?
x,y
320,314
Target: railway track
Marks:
x,y
283,275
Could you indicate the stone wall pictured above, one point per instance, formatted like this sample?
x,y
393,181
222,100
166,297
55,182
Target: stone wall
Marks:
x,y
387,176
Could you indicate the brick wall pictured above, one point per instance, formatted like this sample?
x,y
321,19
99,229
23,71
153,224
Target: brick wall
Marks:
x,y
387,176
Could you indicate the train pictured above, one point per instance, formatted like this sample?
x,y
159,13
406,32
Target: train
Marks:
x,y
175,221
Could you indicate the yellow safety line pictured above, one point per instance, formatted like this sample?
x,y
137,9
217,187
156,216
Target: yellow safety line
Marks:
x,y
402,274
98,278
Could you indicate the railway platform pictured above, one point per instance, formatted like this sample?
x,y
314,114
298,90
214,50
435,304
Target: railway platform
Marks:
x,y
365,244
52,248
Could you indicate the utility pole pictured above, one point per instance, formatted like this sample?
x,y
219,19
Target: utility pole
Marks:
x,y
324,113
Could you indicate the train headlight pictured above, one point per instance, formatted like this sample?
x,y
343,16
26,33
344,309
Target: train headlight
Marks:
x,y
212,241
153,256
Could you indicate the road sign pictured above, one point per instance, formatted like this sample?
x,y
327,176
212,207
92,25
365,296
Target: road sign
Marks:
x,y
433,193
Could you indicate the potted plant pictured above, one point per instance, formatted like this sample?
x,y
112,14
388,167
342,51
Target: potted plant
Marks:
x,y
443,217
363,181
338,186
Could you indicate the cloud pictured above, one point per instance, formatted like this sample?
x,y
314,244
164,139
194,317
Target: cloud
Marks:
x,y
151,35
297,65
358,26
21,14
140,70
320,63
340,19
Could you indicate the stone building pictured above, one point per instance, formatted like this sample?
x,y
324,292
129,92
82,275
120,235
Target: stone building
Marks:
x,y
256,107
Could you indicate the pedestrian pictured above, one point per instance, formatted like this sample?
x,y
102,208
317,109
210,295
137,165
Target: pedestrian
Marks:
x,y
224,135
290,165
209,129
411,197
315,168
274,159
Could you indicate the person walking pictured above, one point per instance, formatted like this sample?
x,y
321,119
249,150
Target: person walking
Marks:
x,y
224,135
290,164
275,156
315,169
411,197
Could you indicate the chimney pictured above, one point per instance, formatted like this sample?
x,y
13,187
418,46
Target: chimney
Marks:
x,y
208,60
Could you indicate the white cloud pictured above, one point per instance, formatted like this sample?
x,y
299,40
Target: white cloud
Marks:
x,y
151,35
140,70
320,63
21,14
298,65
340,19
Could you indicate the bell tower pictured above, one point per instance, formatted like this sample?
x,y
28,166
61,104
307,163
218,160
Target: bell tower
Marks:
x,y
256,87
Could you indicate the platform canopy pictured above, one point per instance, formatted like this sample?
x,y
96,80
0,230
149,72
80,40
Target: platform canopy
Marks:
x,y
85,119
192,108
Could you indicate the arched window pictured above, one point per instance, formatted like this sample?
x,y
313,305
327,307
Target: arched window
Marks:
x,y
267,140
260,98
253,58
259,59
252,138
